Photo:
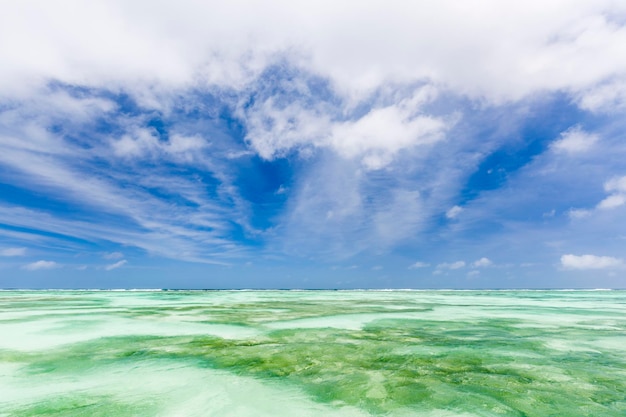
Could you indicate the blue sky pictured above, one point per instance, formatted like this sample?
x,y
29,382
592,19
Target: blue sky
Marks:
x,y
313,144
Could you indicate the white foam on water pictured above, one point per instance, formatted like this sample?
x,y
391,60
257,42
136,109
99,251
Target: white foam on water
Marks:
x,y
343,321
605,344
52,332
178,390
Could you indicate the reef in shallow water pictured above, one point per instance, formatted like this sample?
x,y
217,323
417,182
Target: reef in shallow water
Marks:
x,y
536,353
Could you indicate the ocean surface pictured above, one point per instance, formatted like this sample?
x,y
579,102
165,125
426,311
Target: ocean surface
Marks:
x,y
313,353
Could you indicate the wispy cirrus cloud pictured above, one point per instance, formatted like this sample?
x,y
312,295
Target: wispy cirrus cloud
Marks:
x,y
454,212
138,198
116,265
13,252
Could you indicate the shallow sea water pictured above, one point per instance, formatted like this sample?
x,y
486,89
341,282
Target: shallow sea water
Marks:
x,y
313,353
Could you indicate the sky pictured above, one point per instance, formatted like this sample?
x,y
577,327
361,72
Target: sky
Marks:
x,y
327,144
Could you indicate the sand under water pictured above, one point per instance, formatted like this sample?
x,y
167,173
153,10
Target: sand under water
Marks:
x,y
313,353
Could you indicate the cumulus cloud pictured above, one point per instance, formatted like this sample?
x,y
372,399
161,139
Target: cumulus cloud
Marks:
x,y
38,265
419,264
374,137
115,265
13,252
451,265
617,187
612,201
482,262
575,140
382,133
590,262
609,97
578,213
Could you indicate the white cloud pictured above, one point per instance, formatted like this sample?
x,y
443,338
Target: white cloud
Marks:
x,y
452,265
143,142
13,252
482,262
612,201
578,213
45,162
590,262
113,255
372,57
479,47
419,264
575,140
454,212
373,138
609,97
164,239
137,143
616,184
115,265
473,273
35,266
381,133
616,187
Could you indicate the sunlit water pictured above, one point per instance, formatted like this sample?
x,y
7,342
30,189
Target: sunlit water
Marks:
x,y
321,353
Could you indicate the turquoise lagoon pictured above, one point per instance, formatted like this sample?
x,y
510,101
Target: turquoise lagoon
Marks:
x,y
313,353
